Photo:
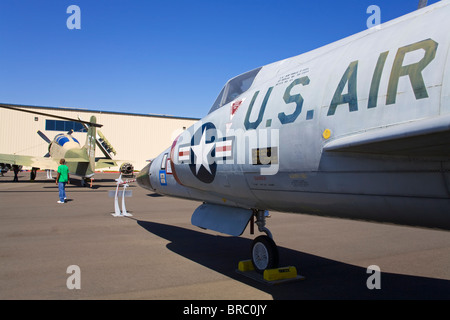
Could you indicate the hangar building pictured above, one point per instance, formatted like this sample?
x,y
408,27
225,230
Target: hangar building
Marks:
x,y
136,138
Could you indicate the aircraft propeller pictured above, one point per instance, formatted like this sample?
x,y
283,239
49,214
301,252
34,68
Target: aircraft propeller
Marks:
x,y
43,136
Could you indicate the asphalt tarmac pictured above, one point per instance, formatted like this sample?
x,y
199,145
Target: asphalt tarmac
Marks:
x,y
158,255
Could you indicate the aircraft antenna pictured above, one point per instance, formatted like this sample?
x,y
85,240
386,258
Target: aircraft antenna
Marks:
x,y
422,4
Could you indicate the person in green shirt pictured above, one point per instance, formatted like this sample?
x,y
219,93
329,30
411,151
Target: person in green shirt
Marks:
x,y
61,180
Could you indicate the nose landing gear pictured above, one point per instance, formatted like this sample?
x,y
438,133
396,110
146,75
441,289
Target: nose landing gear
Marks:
x,y
263,265
264,250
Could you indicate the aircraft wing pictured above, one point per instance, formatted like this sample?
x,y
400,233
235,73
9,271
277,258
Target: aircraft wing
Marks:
x,y
29,161
422,138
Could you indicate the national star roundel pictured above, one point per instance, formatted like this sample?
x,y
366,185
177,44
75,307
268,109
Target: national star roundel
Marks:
x,y
203,165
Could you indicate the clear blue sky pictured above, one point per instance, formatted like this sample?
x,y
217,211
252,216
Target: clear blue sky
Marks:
x,y
160,57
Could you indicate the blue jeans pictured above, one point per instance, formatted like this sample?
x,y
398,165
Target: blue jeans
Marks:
x,y
62,190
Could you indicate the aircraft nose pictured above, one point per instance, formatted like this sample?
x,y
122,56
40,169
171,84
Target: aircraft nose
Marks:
x,y
143,178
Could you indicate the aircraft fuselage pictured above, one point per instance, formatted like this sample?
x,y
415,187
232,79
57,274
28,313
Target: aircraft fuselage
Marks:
x,y
357,129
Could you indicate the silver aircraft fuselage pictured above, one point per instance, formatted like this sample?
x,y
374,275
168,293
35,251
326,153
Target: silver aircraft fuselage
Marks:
x,y
356,129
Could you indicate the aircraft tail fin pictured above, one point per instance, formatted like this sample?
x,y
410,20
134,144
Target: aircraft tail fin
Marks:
x,y
90,142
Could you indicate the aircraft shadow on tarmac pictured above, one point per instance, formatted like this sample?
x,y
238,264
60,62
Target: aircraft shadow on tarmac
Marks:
x,y
325,278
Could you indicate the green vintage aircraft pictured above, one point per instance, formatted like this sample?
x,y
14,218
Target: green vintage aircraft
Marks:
x,y
79,158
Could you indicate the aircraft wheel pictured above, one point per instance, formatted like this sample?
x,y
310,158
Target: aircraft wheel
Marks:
x,y
264,254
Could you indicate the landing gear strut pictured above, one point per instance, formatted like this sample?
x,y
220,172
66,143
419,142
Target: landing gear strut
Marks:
x,y
264,250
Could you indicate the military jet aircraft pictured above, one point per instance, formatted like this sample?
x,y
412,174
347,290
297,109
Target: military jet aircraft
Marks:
x,y
80,159
357,129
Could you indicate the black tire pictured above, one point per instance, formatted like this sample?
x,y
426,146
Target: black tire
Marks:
x,y
264,254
